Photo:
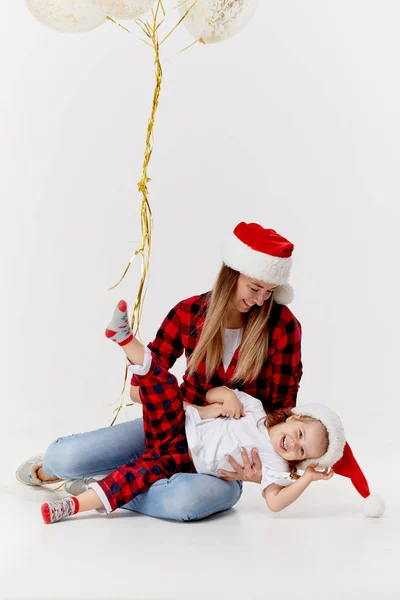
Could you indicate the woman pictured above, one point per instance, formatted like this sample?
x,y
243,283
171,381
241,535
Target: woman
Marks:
x,y
239,335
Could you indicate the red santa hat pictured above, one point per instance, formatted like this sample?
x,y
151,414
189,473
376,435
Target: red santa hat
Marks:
x,y
261,254
339,456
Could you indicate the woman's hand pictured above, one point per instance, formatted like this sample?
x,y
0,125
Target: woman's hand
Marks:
x,y
247,472
312,475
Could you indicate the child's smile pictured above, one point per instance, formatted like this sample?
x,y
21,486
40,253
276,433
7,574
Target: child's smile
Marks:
x,y
289,446
298,439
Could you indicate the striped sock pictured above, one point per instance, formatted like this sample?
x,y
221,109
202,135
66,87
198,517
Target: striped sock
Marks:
x,y
118,329
59,509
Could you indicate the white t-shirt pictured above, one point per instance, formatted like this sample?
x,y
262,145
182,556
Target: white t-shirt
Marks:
x,y
232,340
211,439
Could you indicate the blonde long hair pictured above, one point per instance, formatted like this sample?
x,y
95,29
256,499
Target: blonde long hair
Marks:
x,y
254,344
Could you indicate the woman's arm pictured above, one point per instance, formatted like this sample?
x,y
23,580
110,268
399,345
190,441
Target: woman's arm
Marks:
x,y
285,369
278,497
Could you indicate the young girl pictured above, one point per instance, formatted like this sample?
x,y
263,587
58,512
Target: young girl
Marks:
x,y
179,442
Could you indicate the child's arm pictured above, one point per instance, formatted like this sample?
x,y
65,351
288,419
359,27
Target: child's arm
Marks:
x,y
278,497
231,405
222,402
210,411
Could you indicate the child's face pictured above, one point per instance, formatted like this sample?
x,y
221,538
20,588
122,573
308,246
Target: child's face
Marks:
x,y
299,438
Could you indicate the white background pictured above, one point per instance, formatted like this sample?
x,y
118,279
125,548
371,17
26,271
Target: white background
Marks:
x,y
294,123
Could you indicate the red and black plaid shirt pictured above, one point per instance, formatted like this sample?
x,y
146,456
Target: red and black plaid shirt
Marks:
x,y
278,382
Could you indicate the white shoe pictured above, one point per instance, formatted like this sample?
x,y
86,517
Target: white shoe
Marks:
x,y
77,486
27,472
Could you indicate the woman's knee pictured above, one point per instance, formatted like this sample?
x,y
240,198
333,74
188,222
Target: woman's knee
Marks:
x,y
199,496
64,458
95,452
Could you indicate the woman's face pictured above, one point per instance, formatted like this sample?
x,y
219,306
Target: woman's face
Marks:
x,y
249,292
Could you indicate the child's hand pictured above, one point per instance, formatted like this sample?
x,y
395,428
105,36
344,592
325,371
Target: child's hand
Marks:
x,y
314,475
232,407
212,411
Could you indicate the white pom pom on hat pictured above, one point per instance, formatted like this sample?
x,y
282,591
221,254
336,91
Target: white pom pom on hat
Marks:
x,y
262,254
374,506
340,457
284,294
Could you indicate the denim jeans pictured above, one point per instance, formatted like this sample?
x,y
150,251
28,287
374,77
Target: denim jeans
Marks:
x,y
183,497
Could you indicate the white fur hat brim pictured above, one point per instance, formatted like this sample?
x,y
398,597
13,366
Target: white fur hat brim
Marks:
x,y
258,265
334,427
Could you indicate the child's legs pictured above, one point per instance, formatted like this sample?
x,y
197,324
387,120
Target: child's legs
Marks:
x,y
124,484
163,411
89,500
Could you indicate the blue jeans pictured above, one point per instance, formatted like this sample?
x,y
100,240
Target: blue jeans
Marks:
x,y
183,497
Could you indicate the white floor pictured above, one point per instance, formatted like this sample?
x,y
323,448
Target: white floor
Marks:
x,y
322,547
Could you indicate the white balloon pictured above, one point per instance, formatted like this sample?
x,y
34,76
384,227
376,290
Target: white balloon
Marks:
x,y
124,9
68,16
217,20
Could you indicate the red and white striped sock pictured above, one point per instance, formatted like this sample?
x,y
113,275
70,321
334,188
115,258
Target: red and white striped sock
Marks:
x,y
59,509
118,329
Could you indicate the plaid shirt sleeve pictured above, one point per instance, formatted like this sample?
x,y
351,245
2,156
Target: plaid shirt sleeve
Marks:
x,y
167,346
286,367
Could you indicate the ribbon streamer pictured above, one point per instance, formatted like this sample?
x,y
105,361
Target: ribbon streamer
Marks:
x,y
146,217
150,30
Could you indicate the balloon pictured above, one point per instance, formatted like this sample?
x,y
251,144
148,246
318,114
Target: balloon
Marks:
x,y
68,16
217,20
124,9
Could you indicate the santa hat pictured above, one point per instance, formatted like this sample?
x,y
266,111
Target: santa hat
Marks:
x,y
261,254
339,455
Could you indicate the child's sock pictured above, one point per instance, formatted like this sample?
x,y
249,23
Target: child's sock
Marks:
x,y
59,509
119,329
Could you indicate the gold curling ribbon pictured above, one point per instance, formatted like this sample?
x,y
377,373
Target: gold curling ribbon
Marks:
x,y
146,217
150,30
